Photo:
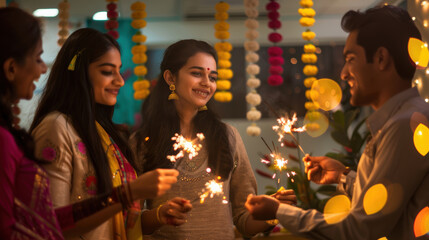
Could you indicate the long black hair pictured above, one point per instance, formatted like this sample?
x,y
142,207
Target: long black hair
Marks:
x,y
161,120
72,93
21,32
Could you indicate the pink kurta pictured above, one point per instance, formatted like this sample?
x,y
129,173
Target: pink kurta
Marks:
x,y
26,210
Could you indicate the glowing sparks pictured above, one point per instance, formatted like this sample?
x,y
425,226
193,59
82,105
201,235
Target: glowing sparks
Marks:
x,y
189,147
213,188
279,162
286,126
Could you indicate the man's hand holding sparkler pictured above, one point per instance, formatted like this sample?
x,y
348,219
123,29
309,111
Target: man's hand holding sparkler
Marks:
x,y
285,196
323,170
262,207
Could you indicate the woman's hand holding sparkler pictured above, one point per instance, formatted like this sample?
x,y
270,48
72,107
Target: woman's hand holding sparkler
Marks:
x,y
323,170
174,212
153,183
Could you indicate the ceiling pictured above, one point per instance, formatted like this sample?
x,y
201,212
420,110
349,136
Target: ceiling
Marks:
x,y
183,10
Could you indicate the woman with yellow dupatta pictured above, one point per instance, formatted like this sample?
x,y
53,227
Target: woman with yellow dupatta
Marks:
x,y
84,153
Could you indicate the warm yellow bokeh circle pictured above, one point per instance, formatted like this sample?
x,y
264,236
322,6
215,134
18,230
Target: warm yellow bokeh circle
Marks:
x,y
336,209
375,199
418,52
421,139
326,93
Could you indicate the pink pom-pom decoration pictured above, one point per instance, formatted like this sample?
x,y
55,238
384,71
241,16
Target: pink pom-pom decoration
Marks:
x,y
251,23
275,51
272,6
275,80
274,24
273,15
111,24
275,37
252,13
276,70
252,34
276,61
111,6
113,33
112,14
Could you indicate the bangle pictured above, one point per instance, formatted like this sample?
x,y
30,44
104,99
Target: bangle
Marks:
x,y
272,222
347,171
157,214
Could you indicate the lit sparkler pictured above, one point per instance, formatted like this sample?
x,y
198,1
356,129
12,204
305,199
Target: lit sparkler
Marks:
x,y
189,147
213,188
286,126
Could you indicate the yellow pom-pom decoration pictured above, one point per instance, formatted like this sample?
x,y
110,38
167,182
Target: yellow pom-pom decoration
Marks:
x,y
142,94
139,38
138,49
313,115
308,35
140,70
138,14
222,7
141,84
223,46
309,81
223,55
307,12
223,96
224,73
309,48
223,84
310,70
310,106
138,6
221,26
221,16
306,21
222,35
312,126
224,64
139,58
306,3
309,58
138,23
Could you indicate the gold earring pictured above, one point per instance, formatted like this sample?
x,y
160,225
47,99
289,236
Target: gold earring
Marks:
x,y
173,95
203,108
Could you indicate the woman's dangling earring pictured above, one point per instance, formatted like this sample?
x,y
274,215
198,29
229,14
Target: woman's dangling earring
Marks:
x,y
203,108
16,111
173,95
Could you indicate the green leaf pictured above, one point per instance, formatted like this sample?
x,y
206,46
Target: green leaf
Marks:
x,y
327,190
350,116
341,137
338,121
337,156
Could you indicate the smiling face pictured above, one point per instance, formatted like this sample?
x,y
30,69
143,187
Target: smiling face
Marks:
x,y
195,82
360,75
28,72
106,78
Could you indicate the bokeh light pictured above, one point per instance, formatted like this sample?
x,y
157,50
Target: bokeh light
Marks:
x,y
421,224
418,52
326,93
421,139
336,209
316,123
383,238
375,199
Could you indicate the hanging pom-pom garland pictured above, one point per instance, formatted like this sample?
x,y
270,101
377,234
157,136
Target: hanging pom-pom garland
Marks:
x,y
251,45
223,49
63,24
309,57
141,85
275,53
112,24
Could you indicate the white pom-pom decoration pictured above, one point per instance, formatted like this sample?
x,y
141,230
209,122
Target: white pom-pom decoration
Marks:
x,y
251,23
252,34
253,130
252,57
252,12
253,99
253,82
253,69
251,46
251,3
253,115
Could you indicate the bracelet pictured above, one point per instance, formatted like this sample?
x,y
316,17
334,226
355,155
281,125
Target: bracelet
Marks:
x,y
272,222
157,214
347,171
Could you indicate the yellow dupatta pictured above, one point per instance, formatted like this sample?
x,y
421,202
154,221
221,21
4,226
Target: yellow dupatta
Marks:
x,y
119,231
